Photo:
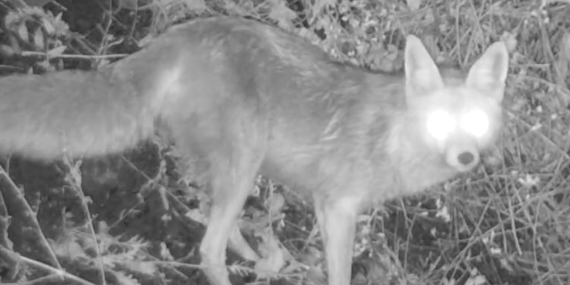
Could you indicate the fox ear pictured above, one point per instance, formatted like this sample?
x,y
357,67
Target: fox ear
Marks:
x,y
422,74
490,71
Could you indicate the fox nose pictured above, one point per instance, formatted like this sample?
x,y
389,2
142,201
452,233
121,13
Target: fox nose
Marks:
x,y
466,157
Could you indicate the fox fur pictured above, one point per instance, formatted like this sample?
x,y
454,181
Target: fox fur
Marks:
x,y
245,99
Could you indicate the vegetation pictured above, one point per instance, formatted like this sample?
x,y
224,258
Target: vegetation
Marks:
x,y
137,218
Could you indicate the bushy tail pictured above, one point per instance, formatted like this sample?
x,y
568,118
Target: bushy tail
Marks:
x,y
71,112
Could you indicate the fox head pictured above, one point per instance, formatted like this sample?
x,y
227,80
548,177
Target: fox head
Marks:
x,y
456,115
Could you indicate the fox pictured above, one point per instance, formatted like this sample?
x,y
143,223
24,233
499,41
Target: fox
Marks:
x,y
243,98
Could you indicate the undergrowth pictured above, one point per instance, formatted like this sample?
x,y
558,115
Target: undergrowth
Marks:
x,y
505,223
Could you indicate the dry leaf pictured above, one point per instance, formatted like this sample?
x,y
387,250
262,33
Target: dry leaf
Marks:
x,y
414,4
195,5
273,258
128,4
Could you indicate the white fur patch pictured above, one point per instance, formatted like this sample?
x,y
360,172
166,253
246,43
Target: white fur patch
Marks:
x,y
168,85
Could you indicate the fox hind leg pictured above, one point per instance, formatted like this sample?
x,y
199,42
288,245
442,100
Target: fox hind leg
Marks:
x,y
233,170
239,245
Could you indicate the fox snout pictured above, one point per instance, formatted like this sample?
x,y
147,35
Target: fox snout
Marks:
x,y
466,157
462,158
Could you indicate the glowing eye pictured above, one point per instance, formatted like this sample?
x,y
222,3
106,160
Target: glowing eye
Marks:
x,y
475,122
440,124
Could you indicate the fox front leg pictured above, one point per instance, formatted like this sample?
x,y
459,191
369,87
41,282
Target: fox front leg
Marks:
x,y
337,223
